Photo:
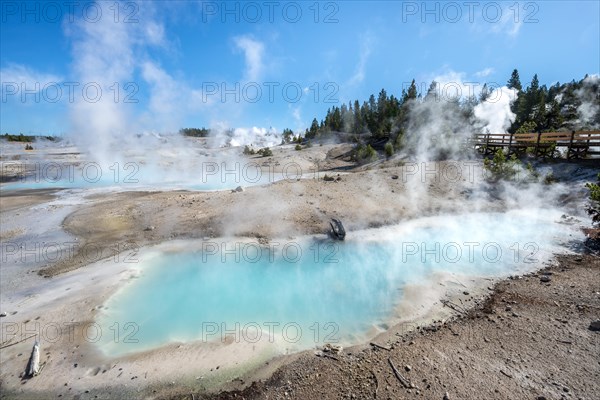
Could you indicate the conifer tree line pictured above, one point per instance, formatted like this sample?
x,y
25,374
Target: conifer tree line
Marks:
x,y
383,119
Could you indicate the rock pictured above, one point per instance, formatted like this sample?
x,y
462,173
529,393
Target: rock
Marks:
x,y
446,396
237,189
337,229
545,278
466,293
149,228
394,176
407,368
332,348
34,362
595,326
3,314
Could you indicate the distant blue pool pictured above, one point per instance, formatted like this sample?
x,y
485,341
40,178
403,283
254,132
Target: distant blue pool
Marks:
x,y
136,176
309,292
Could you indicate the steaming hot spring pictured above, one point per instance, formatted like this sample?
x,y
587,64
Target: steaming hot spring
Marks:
x,y
311,291
159,260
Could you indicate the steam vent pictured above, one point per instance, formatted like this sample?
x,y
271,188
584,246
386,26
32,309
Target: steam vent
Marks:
x,y
170,170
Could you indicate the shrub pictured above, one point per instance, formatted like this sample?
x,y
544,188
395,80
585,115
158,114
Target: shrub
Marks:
x,y
593,208
365,154
249,150
594,190
532,171
501,167
550,179
298,147
19,138
195,132
266,152
389,149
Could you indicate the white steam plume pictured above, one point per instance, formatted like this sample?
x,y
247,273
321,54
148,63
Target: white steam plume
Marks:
x,y
495,112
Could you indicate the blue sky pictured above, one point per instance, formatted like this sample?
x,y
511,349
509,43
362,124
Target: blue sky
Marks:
x,y
163,65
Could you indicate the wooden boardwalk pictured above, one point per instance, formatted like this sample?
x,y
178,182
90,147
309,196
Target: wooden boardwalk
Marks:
x,y
582,144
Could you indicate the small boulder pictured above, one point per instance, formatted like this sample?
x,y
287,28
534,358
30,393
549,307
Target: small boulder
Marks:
x,y
595,326
332,348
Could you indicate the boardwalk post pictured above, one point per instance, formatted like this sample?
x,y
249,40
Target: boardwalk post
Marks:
x,y
509,143
487,143
537,144
570,149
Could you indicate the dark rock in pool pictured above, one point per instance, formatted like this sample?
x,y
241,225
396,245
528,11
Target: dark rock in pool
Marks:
x,y
337,229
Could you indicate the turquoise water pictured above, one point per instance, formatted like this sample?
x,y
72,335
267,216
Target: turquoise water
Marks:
x,y
307,292
135,176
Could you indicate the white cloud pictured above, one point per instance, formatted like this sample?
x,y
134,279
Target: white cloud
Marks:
x,y
365,51
170,99
165,95
501,19
484,73
31,79
509,24
155,33
254,54
296,114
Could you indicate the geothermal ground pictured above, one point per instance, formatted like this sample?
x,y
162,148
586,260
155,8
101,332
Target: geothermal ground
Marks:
x,y
465,336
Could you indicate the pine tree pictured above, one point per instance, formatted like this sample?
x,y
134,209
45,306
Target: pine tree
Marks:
x,y
554,119
336,120
314,130
357,126
485,93
514,82
540,114
411,94
432,94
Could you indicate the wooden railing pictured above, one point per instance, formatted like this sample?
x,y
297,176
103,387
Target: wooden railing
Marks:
x,y
583,144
